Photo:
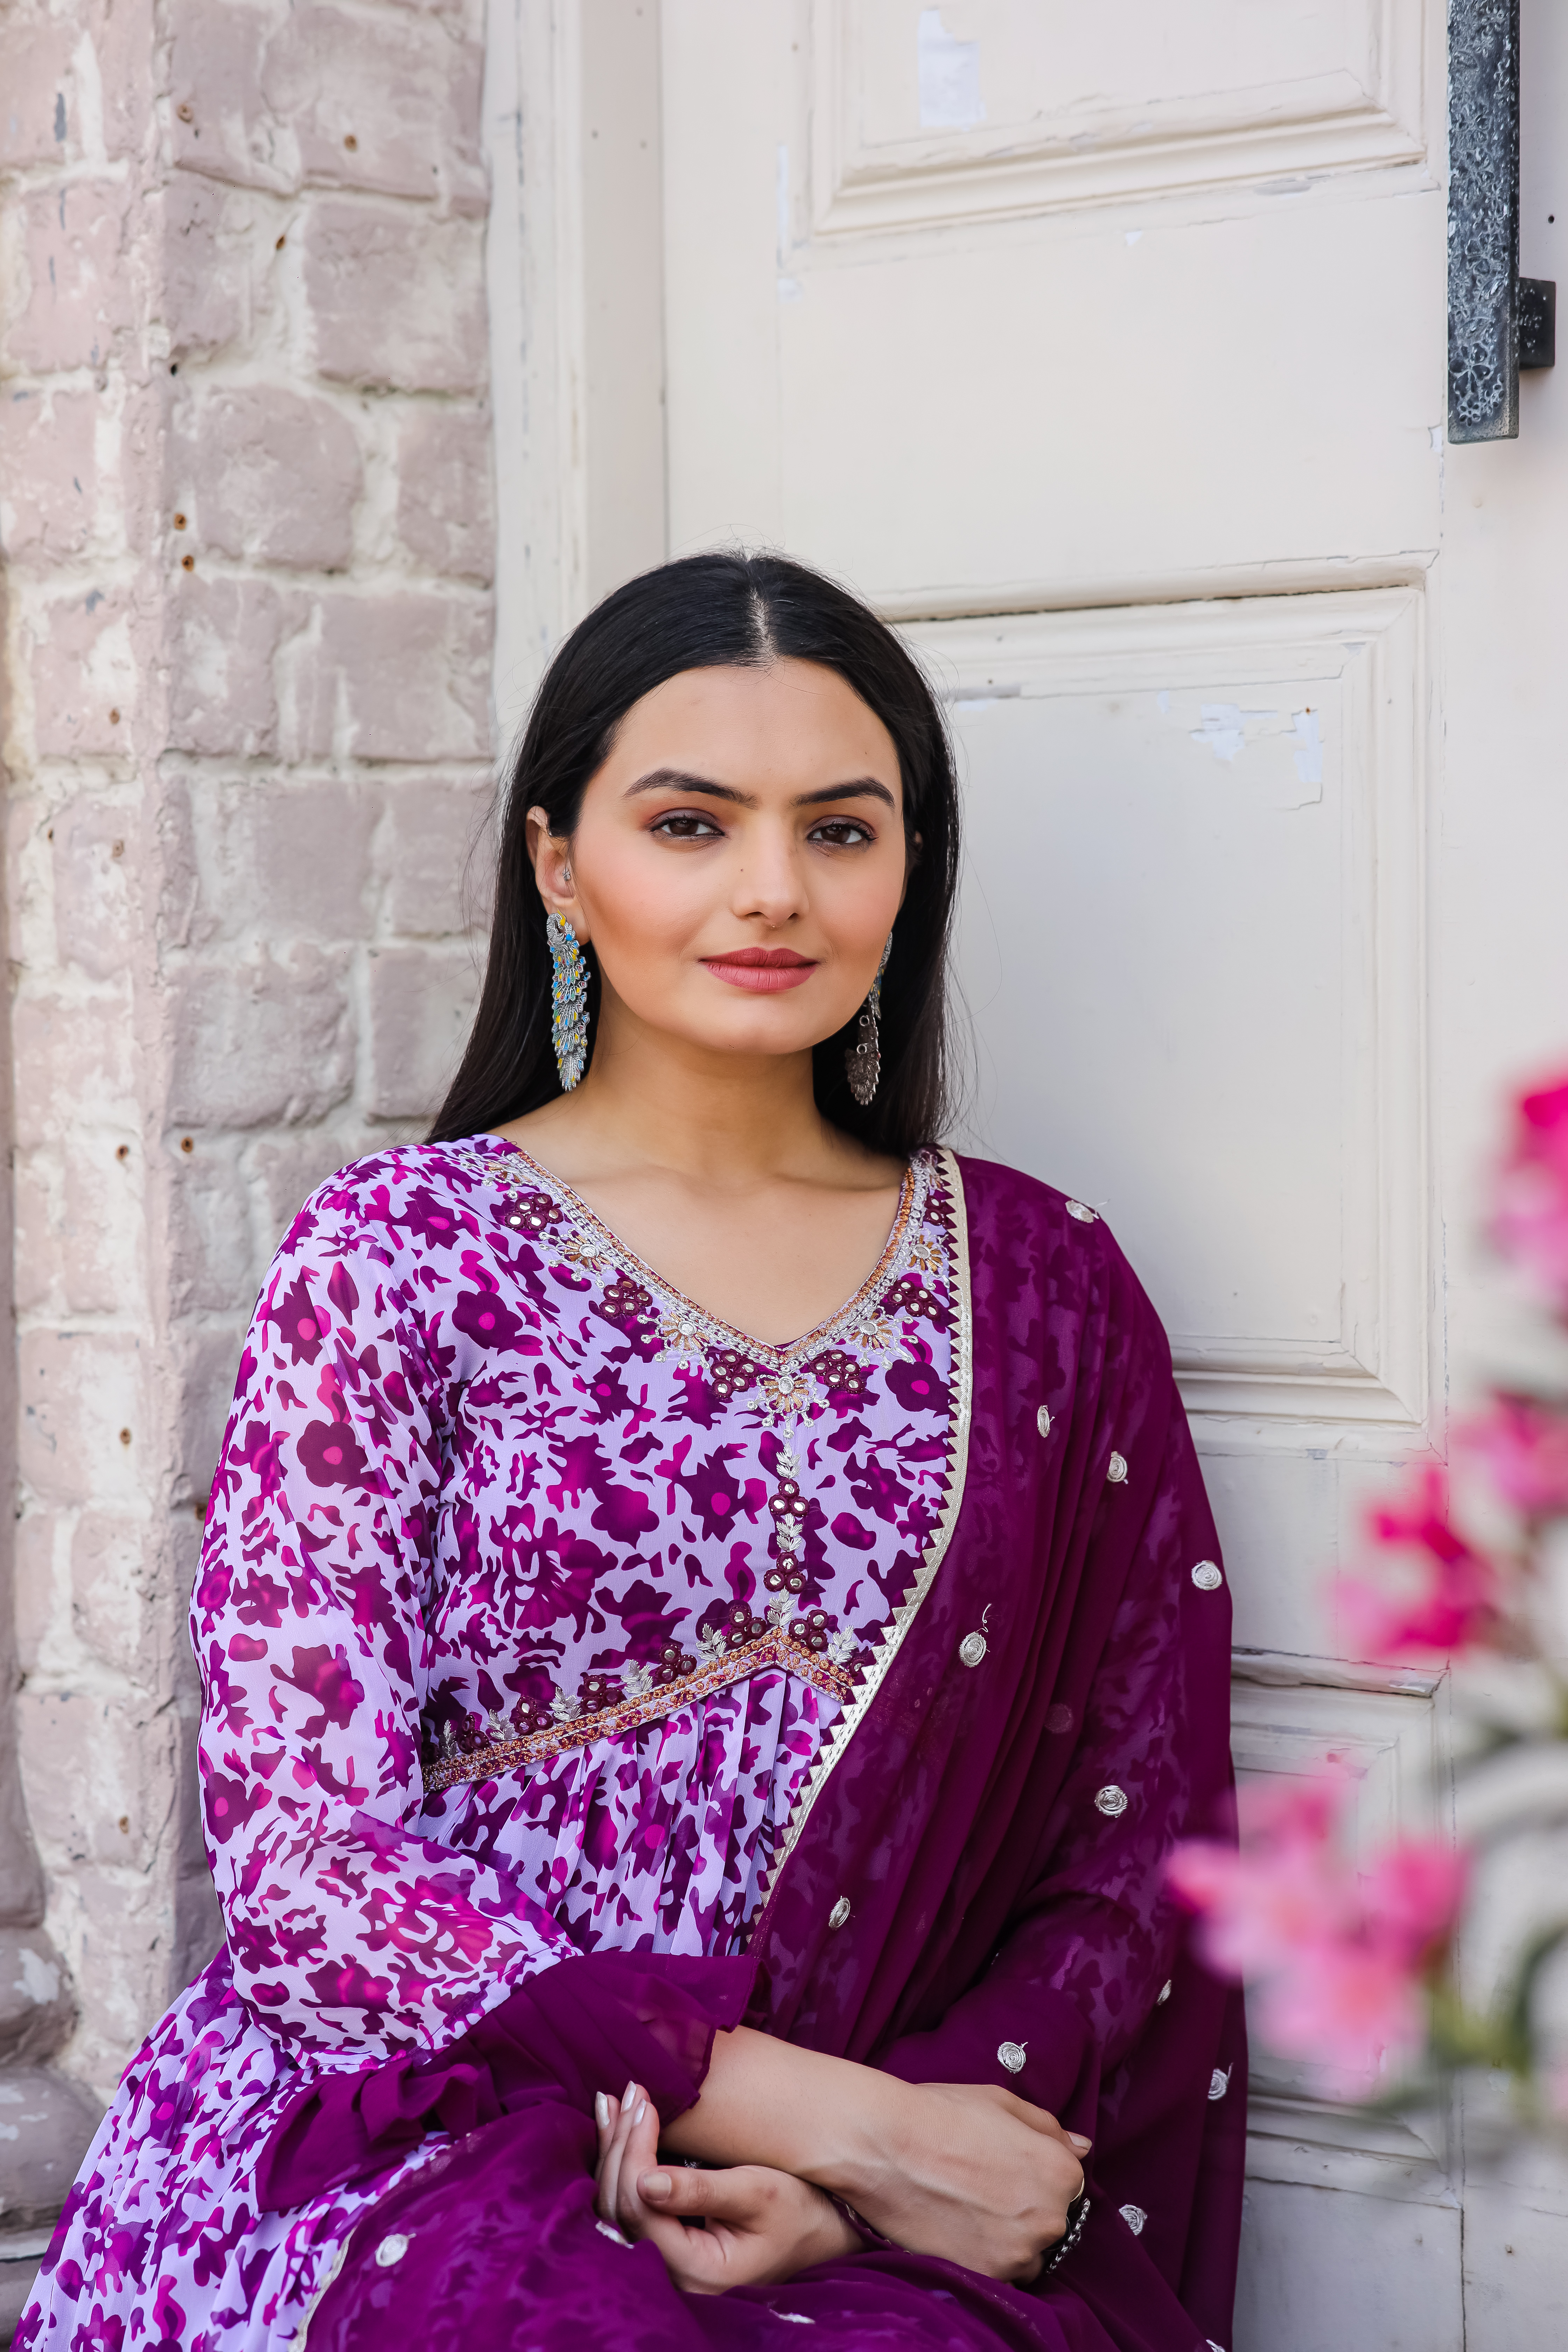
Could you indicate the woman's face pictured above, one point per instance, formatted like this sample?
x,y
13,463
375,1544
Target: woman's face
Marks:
x,y
739,859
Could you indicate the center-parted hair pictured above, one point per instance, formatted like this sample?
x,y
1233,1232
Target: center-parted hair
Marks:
x,y
702,613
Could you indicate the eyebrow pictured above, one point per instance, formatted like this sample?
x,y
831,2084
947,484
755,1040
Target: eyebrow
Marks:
x,y
658,780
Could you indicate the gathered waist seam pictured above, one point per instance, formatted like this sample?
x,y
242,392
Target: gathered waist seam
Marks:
x,y
457,1765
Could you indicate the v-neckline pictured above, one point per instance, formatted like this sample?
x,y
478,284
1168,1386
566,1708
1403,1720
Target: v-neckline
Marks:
x,y
778,1352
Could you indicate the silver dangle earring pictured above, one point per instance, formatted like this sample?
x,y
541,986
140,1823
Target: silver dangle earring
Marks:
x,y
863,1060
568,999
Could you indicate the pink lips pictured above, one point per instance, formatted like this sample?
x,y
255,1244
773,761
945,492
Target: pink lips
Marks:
x,y
764,971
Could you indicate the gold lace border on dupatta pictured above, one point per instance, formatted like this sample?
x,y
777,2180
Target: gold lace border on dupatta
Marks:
x,y
890,1641
773,1648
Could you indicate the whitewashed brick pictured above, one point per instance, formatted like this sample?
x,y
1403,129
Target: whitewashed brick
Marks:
x,y
85,674
396,301
92,1768
70,1053
399,676
223,696
101,1272
283,858
114,1924
394,112
271,1038
35,1581
49,472
434,853
218,260
207,1227
78,1391
93,845
37,109
81,293
205,1359
421,1004
115,1611
222,125
38,1276
76,85
238,806
267,475
445,506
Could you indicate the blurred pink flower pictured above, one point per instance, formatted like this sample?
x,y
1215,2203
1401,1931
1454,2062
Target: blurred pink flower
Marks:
x,y
1441,1594
1523,1448
1264,1904
1411,1898
1339,1956
1354,2013
1530,1220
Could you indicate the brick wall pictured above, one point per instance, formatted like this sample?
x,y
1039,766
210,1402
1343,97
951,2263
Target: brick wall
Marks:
x,y
246,513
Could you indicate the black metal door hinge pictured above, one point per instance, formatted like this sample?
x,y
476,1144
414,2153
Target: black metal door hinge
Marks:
x,y
1537,322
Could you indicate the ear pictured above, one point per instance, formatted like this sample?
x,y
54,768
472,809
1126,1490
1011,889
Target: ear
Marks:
x,y
551,858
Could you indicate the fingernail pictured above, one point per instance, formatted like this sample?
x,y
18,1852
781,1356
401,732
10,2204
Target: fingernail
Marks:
x,y
601,2109
1080,2142
627,2093
642,2110
655,2184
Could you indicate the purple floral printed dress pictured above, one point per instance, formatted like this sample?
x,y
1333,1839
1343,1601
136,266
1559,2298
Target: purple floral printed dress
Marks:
x,y
530,1595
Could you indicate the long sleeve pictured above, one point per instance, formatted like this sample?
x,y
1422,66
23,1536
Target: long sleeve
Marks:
x,y
1089,1947
345,1926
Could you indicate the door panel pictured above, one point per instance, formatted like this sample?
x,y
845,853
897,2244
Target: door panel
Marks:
x,y
1385,1734
1005,417
987,107
1189,947
1368,2273
963,411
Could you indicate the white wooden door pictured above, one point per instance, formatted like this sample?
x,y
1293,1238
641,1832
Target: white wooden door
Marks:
x,y
1104,348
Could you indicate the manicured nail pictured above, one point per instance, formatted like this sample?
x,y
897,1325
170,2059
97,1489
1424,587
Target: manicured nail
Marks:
x,y
1078,2141
601,2109
642,2110
627,2093
655,2184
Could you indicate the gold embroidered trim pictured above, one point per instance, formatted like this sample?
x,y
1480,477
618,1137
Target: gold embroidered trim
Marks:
x,y
858,1320
785,1394
890,1639
773,1648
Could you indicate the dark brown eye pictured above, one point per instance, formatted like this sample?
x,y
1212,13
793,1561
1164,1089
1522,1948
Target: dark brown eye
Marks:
x,y
842,832
685,825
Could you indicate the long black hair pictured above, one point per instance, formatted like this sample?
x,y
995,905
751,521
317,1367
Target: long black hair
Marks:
x,y
699,613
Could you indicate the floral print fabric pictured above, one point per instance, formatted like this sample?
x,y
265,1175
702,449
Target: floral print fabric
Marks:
x,y
529,1594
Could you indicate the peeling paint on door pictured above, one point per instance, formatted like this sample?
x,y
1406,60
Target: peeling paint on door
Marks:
x,y
948,77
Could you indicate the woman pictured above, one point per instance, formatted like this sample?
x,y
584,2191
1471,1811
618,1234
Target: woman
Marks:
x,y
688,1800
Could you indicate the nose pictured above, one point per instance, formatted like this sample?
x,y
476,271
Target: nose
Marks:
x,y
770,882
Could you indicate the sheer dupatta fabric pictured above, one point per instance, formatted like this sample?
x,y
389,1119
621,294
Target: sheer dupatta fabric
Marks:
x,y
971,1889
998,1831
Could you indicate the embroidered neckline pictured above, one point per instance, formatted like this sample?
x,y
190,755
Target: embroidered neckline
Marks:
x,y
860,1320
803,1646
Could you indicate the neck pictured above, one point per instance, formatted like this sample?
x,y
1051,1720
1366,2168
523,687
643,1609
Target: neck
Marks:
x,y
731,1120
